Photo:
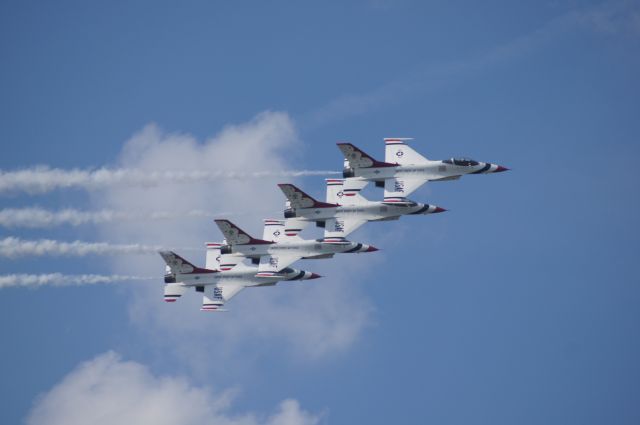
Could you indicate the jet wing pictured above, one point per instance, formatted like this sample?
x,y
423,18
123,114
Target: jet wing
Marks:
x,y
215,296
398,188
292,228
340,227
270,264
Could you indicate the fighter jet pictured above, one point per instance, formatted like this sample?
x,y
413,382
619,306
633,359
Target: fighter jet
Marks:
x,y
404,170
278,249
217,286
345,210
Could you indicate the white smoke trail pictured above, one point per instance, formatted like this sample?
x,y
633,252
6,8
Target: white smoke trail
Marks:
x,y
44,179
12,247
59,279
40,218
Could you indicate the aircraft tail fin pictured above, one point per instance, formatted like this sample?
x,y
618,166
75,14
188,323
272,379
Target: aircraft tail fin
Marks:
x,y
178,265
236,236
357,158
396,150
299,199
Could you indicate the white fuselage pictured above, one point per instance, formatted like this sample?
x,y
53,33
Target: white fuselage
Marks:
x,y
301,248
429,171
371,211
245,277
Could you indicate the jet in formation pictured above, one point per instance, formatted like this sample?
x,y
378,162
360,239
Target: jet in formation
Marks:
x,y
345,210
242,261
216,285
404,170
282,248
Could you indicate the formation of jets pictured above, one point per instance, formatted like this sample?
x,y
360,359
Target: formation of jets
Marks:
x,y
242,261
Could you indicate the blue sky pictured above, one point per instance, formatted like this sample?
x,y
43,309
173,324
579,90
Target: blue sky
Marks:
x,y
519,305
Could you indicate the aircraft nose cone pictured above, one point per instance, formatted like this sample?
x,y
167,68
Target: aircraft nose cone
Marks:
x,y
314,276
372,249
500,169
438,210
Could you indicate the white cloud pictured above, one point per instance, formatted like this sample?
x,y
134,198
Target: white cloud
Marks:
x,y
108,390
311,320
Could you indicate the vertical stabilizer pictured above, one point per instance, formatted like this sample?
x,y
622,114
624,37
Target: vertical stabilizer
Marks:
x,y
235,235
299,199
357,158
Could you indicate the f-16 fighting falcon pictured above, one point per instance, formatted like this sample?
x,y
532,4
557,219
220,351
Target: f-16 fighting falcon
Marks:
x,y
282,249
345,210
404,170
217,286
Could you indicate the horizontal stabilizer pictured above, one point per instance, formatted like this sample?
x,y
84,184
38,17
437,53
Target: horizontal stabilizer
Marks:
x,y
273,229
293,227
212,261
397,151
230,261
351,190
173,291
334,190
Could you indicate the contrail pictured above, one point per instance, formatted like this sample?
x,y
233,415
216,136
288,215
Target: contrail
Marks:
x,y
59,279
44,179
12,247
40,218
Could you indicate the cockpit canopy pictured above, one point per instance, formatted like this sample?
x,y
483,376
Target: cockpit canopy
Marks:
x,y
465,162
